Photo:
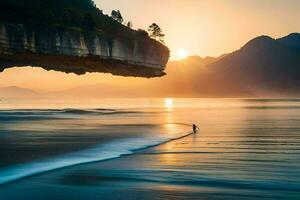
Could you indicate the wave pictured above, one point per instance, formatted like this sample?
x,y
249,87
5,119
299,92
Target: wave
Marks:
x,y
271,107
96,111
111,150
273,100
40,114
195,180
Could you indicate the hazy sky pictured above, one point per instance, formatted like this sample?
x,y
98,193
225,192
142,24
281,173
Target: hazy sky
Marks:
x,y
210,27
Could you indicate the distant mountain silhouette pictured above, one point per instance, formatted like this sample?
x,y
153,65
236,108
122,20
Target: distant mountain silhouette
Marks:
x,y
17,92
263,67
93,91
263,64
292,40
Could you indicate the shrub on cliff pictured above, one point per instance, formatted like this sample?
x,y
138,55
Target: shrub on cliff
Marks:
x,y
116,15
156,33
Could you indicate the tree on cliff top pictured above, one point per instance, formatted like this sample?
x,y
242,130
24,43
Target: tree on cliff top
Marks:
x,y
116,15
129,24
156,33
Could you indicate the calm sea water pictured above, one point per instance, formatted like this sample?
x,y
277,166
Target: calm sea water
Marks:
x,y
246,149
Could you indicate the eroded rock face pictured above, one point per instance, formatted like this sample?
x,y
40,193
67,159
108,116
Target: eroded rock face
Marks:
x,y
74,51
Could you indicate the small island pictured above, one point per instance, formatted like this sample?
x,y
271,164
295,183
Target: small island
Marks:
x,y
74,36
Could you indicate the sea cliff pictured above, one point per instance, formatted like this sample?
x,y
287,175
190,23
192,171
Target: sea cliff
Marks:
x,y
75,51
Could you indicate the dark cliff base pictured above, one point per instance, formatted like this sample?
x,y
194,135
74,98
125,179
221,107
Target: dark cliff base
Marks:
x,y
78,65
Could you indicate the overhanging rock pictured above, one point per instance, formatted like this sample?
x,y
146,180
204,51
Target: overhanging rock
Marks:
x,y
74,51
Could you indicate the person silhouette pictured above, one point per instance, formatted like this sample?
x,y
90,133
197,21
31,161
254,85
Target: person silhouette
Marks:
x,y
195,128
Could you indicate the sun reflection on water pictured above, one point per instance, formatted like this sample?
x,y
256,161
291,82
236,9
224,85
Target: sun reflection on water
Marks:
x,y
169,103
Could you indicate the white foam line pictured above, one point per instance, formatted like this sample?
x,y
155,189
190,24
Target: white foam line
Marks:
x,y
103,152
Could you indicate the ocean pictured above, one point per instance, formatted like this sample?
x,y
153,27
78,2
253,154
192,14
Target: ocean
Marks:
x,y
145,149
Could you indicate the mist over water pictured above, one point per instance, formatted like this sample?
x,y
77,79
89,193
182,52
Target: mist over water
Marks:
x,y
246,149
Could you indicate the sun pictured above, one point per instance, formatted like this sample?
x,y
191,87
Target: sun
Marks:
x,y
182,54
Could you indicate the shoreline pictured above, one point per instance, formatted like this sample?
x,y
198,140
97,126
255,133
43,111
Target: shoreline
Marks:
x,y
132,152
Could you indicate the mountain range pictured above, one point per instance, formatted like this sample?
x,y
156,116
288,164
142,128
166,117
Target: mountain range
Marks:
x,y
263,64
263,67
17,92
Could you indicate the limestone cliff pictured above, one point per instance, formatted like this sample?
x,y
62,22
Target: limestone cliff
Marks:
x,y
75,51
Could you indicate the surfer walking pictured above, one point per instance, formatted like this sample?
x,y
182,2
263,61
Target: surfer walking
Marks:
x,y
195,128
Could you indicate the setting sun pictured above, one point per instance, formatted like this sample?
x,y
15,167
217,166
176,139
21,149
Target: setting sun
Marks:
x,y
181,54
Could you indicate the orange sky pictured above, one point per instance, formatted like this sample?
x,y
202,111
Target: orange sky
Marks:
x,y
41,80
210,27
